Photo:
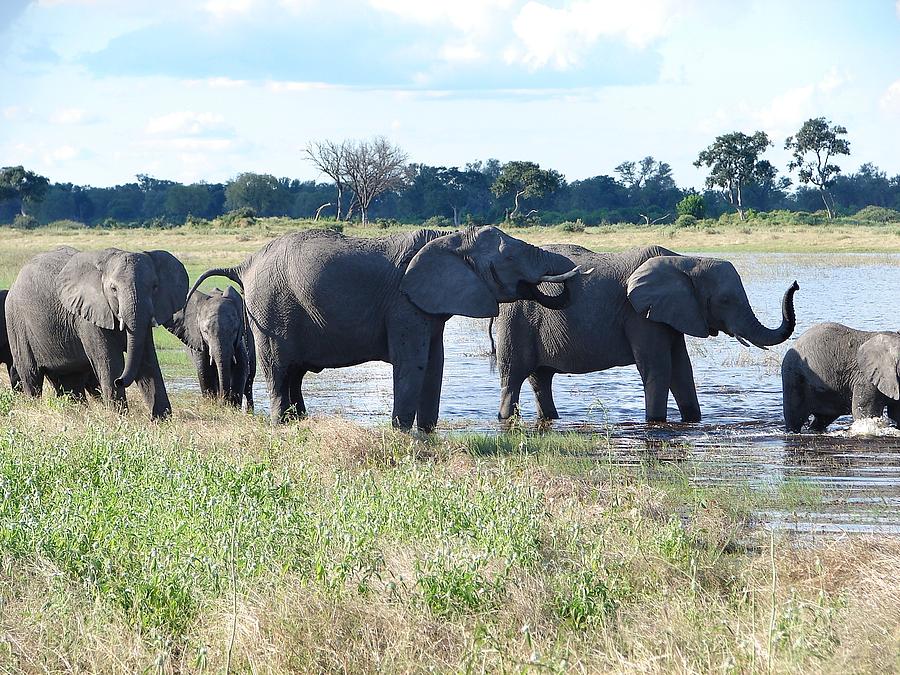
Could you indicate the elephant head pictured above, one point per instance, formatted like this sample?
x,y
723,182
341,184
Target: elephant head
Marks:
x,y
879,362
213,323
702,296
124,291
469,272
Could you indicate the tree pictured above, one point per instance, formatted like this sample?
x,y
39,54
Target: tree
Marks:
x,y
812,147
262,192
372,168
26,186
329,158
733,160
691,205
525,180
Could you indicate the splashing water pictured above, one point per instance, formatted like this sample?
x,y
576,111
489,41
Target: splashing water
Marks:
x,y
870,426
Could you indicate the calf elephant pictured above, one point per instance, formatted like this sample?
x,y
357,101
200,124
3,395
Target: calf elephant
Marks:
x,y
5,353
833,370
83,319
636,307
212,328
318,299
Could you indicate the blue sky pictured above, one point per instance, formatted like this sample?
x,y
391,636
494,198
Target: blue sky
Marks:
x,y
97,91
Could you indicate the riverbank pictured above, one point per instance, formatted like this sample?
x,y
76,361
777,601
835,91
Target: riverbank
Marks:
x,y
215,540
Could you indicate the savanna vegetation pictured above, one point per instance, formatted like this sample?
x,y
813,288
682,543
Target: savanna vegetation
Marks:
x,y
214,542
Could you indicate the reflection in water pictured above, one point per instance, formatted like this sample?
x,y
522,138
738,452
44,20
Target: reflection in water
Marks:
x,y
740,438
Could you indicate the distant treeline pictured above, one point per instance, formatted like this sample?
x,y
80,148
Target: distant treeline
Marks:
x,y
640,192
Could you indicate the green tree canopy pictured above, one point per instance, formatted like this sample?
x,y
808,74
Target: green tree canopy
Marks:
x,y
733,161
525,180
16,182
813,147
262,192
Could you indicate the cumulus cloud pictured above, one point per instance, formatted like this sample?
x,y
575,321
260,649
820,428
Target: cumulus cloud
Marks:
x,y
468,16
73,116
188,123
890,100
560,36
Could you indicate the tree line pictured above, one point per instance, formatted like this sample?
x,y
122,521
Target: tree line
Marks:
x,y
373,179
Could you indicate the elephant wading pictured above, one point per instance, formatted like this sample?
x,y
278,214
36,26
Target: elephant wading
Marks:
x,y
84,320
636,307
212,328
317,299
833,370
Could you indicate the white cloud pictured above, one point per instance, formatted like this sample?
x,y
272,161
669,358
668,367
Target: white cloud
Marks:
x,y
890,100
559,37
469,16
217,83
63,153
73,116
282,86
16,113
188,123
223,8
461,52
787,110
898,9
834,79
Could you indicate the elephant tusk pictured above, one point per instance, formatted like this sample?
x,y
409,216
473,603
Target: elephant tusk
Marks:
x,y
588,271
556,278
741,340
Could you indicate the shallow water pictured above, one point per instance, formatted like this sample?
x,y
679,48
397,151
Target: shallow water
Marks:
x,y
740,438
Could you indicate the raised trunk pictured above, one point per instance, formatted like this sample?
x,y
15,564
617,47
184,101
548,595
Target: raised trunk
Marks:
x,y
761,336
137,320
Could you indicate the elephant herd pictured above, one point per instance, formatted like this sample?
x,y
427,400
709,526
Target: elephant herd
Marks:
x,y
317,299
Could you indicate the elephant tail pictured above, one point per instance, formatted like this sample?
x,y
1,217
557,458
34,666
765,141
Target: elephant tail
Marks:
x,y
493,357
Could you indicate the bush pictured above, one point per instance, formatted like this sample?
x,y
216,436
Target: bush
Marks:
x,y
437,223
878,214
241,217
25,222
685,220
385,223
691,205
570,226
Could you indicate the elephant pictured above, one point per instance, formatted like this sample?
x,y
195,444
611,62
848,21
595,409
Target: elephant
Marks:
x,y
84,319
318,299
212,328
5,353
832,370
634,308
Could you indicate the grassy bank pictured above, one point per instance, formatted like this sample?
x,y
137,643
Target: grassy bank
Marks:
x,y
214,540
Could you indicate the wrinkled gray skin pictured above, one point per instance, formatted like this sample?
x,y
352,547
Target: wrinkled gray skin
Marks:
x,y
635,307
5,353
212,328
318,299
83,319
833,370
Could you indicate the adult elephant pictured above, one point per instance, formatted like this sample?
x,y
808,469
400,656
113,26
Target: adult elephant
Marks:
x,y
636,307
317,299
5,353
212,328
86,318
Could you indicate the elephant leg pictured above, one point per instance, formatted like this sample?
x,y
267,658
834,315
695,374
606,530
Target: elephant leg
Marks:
x,y
15,382
820,422
510,388
893,409
249,350
296,393
655,368
206,375
409,341
430,398
541,382
72,385
793,401
682,383
150,383
866,402
107,367
28,374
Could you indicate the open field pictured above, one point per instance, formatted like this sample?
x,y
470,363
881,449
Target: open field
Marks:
x,y
213,541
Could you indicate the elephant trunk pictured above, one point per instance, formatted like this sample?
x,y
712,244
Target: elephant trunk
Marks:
x,y
137,320
222,355
761,336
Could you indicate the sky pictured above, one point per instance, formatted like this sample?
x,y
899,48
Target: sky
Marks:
x,y
98,91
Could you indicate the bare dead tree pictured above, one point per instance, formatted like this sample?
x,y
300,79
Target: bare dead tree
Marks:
x,y
647,220
328,157
319,210
372,168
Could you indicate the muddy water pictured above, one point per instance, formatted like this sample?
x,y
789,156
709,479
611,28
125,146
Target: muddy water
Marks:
x,y
740,438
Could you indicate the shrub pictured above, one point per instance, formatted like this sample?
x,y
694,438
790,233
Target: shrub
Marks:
x,y
569,226
385,223
691,205
25,222
240,217
685,220
437,223
878,214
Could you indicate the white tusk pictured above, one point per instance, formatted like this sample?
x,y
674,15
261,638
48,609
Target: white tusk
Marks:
x,y
588,271
556,278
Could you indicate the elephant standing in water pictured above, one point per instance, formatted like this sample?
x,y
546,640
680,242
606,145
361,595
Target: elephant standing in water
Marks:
x,y
833,370
212,328
636,307
83,319
318,299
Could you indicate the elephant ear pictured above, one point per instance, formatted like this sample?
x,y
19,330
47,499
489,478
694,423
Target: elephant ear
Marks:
x,y
80,289
660,290
439,280
878,359
231,293
172,290
184,323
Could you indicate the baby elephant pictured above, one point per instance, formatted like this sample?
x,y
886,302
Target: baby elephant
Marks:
x,y
833,370
212,327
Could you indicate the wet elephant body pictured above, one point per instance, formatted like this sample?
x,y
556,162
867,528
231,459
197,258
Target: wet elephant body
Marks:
x,y
634,308
318,299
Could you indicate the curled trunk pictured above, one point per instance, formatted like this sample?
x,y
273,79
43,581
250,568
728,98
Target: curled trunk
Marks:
x,y
761,336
